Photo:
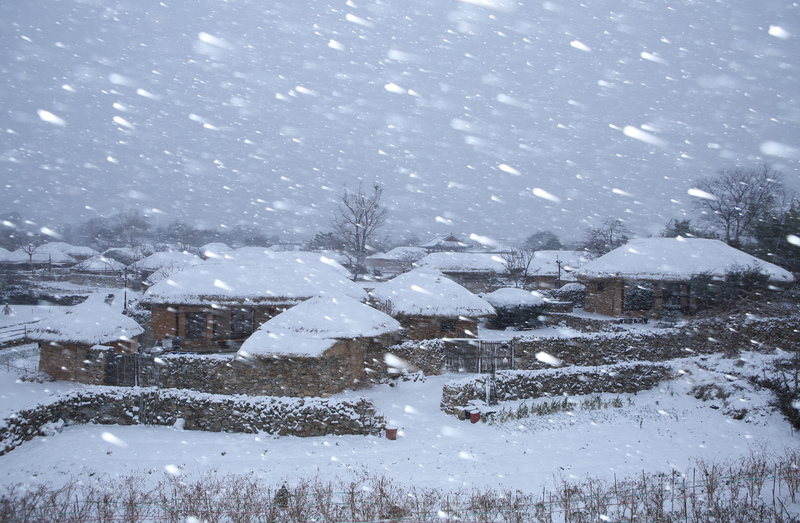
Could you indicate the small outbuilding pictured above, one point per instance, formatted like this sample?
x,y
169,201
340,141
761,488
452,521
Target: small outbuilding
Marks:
x,y
65,338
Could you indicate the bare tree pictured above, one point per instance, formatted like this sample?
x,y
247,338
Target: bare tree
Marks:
x,y
358,218
518,265
738,198
30,249
611,234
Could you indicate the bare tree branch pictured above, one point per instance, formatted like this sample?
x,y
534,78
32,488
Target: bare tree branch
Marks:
x,y
738,199
357,220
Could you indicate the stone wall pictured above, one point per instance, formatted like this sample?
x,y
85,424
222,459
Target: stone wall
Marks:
x,y
75,362
572,381
660,345
348,365
430,327
428,356
580,323
279,416
342,368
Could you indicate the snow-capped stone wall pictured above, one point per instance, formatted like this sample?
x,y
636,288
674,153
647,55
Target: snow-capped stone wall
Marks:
x,y
193,411
706,337
572,381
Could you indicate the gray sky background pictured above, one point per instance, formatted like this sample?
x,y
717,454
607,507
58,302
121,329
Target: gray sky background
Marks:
x,y
493,117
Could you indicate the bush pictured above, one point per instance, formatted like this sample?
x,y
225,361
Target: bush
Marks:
x,y
739,283
523,317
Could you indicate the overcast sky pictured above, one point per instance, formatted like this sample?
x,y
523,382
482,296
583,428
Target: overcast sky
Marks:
x,y
493,117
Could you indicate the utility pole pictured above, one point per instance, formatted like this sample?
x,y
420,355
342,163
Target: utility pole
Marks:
x,y
125,295
558,280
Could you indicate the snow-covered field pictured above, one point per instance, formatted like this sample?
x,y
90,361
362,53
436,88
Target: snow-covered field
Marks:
x,y
655,431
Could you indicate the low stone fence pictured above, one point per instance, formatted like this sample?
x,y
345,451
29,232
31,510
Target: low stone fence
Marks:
x,y
572,381
215,413
353,367
705,337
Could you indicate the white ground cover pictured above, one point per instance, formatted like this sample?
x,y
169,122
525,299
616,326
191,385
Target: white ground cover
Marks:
x,y
655,431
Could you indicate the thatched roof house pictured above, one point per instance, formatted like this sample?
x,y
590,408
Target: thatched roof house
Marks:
x,y
663,268
477,272
430,305
396,261
322,346
217,305
65,338
317,325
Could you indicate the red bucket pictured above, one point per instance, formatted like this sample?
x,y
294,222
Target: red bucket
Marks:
x,y
391,434
474,417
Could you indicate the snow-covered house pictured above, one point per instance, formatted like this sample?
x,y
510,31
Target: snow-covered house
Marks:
x,y
552,269
335,339
125,255
659,270
65,338
430,305
217,305
173,261
214,250
396,261
446,243
76,252
476,272
99,264
37,259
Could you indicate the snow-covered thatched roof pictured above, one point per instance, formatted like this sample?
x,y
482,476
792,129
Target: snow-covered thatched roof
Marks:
x,y
444,242
100,263
124,255
676,259
401,254
92,322
263,277
315,325
545,263
162,259
426,293
57,257
68,249
510,297
463,262
214,250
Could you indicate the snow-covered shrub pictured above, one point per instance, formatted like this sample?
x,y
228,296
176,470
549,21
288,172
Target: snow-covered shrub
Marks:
x,y
639,297
571,292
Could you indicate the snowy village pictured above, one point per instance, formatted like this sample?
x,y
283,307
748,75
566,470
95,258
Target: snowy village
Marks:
x,y
339,261
215,360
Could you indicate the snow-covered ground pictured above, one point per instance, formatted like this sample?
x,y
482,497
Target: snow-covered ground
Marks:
x,y
654,431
